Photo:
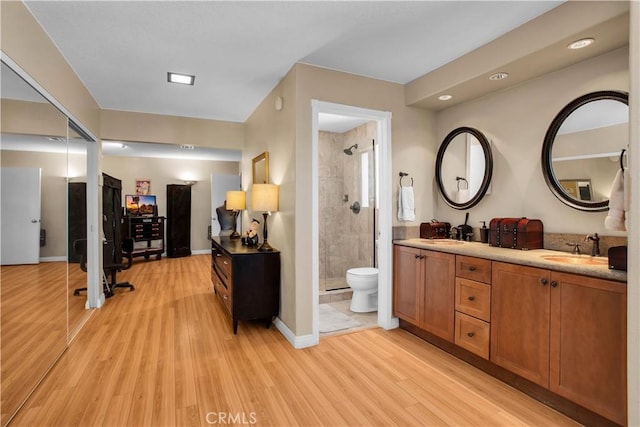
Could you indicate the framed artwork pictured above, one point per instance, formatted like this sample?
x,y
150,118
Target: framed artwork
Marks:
x,y
143,186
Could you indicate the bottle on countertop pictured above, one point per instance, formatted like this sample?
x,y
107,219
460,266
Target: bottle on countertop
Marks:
x,y
484,233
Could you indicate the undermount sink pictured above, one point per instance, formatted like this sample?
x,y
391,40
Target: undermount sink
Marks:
x,y
442,241
577,259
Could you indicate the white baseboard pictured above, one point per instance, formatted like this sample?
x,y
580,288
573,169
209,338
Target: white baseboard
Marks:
x,y
53,259
201,252
296,341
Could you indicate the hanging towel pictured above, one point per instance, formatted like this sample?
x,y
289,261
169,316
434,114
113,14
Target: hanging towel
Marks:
x,y
462,196
406,208
615,217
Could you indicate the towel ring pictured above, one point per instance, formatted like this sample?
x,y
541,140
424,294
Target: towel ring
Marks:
x,y
459,178
402,175
622,159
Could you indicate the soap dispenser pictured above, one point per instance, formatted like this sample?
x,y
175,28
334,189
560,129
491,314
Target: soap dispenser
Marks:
x,y
484,233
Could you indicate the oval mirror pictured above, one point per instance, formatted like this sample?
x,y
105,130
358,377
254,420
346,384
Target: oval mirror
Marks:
x,y
582,149
463,167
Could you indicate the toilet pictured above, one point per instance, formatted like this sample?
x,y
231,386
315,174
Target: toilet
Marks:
x,y
364,282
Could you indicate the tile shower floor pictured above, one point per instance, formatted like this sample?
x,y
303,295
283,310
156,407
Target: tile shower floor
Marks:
x,y
365,320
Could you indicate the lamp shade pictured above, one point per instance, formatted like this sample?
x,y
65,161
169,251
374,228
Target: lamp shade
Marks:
x,y
264,197
236,200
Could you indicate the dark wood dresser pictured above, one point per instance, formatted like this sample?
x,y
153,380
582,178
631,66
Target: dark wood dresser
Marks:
x,y
246,281
146,229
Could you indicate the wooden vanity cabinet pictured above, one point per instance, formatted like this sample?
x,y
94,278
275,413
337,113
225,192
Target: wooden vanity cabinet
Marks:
x,y
563,331
424,284
520,320
588,343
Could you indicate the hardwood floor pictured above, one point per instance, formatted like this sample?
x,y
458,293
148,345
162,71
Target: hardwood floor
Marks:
x,y
165,355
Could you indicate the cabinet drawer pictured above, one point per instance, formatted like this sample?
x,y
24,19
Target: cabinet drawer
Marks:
x,y
472,268
473,298
472,334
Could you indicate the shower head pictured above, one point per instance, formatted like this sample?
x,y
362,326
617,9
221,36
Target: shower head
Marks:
x,y
348,151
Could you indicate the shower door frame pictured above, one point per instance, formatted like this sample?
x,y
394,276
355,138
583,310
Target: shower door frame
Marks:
x,y
384,254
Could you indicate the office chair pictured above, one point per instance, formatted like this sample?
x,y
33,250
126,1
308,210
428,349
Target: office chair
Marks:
x,y
80,248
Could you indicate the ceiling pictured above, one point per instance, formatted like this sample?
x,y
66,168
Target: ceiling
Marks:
x,y
239,50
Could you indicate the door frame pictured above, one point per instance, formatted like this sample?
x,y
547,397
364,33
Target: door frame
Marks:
x,y
383,137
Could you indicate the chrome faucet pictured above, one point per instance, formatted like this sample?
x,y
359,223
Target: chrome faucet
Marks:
x,y
595,249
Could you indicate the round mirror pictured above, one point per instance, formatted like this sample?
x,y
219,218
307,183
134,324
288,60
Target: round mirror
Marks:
x,y
582,149
463,167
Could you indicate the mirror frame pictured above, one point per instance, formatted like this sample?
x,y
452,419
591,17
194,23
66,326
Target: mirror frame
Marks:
x,y
546,161
261,157
488,167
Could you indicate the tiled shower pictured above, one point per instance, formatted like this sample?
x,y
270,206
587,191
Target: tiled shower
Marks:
x,y
346,238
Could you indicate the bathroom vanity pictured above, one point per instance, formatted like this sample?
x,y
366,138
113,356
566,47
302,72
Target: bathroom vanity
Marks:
x,y
549,323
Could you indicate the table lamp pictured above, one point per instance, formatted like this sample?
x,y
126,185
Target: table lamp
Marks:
x,y
264,197
236,202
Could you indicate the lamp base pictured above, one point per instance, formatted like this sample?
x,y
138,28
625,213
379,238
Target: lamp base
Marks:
x,y
234,235
265,247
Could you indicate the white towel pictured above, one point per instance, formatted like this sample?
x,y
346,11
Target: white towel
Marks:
x,y
406,207
615,217
462,196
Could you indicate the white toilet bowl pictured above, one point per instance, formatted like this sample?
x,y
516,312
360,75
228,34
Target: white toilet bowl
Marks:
x,y
364,282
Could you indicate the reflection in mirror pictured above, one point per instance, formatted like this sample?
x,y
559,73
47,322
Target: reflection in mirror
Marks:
x,y
261,169
463,167
33,245
581,151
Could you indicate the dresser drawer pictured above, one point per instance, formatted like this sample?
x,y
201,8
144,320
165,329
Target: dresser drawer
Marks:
x,y
472,334
222,265
224,295
472,268
473,298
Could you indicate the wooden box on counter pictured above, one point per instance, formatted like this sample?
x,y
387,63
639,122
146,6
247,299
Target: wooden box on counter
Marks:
x,y
246,281
516,233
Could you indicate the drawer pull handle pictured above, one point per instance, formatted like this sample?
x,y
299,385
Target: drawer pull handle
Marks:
x,y
218,255
554,283
472,268
226,262
417,256
471,298
225,297
471,334
543,281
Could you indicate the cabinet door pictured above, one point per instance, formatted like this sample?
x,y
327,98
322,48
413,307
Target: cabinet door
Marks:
x,y
437,309
588,343
520,320
407,279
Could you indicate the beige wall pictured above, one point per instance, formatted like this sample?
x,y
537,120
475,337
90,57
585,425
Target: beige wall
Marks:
x,y
173,171
516,121
144,127
32,118
27,44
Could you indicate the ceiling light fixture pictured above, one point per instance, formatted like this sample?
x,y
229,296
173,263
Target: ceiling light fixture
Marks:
x,y
187,147
57,138
579,44
445,97
499,76
184,79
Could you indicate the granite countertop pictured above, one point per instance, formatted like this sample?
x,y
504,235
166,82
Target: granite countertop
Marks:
x,y
533,258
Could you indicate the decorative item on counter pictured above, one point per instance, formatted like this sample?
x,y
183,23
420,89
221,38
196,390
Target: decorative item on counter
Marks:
x,y
618,258
484,232
516,233
434,230
251,235
464,231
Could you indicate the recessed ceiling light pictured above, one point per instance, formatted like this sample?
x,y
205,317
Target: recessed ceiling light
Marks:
x,y
499,76
187,147
579,44
184,79
445,97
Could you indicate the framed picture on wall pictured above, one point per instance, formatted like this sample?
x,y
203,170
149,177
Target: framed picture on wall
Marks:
x,y
143,186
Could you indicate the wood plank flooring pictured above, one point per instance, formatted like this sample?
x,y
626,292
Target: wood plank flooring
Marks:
x,y
165,355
